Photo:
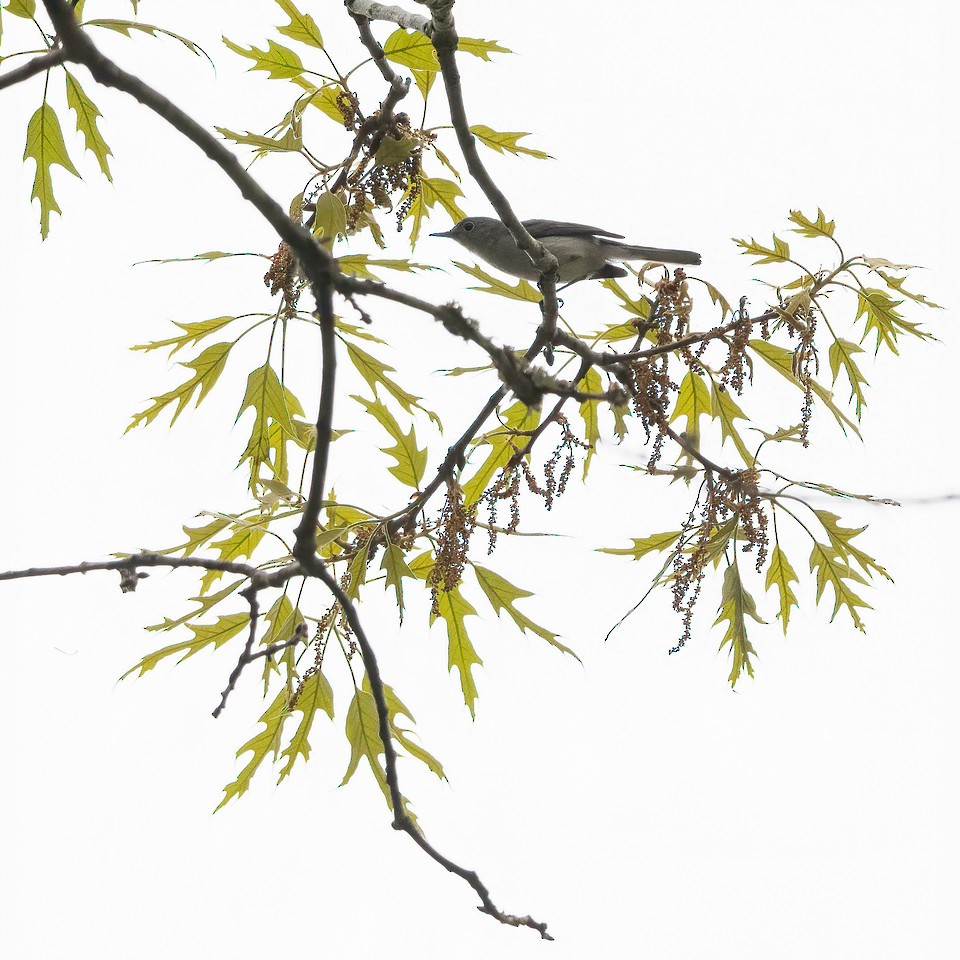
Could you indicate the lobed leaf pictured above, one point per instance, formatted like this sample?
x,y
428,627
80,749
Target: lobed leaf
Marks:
x,y
46,147
204,635
87,112
277,61
207,368
301,27
821,227
780,574
736,604
506,142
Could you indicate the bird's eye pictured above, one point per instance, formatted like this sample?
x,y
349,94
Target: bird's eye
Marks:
x,y
467,226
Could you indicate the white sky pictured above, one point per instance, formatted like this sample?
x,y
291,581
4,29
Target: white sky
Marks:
x,y
635,804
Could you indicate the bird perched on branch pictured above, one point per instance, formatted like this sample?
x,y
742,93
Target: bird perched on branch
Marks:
x,y
583,253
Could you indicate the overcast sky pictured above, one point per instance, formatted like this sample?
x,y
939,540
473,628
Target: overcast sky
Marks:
x,y
634,803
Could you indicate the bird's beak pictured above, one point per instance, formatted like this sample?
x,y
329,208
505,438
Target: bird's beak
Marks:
x,y
446,233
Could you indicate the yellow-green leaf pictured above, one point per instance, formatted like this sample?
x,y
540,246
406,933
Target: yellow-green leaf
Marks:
x,y
778,253
883,318
265,742
125,26
781,360
206,368
411,460
301,27
375,371
204,635
842,355
273,404
735,606
638,308
434,190
522,290
395,709
330,217
454,609
22,8
87,113
821,227
841,539
503,596
644,545
693,402
291,142
502,441
411,49
362,265
192,333
725,409
506,142
780,574
316,694
835,572
590,412
395,569
278,61
896,283
45,146
480,48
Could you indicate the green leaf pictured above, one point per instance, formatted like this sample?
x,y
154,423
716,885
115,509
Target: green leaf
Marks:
x,y
424,80
411,50
396,708
644,545
896,283
272,403
637,308
735,606
522,290
503,596
330,217
45,145
375,371
506,142
821,227
204,635
454,609
842,355
432,191
480,48
363,734
22,8
284,619
841,539
316,694
265,742
323,98
192,333
290,143
717,297
835,572
884,319
395,568
781,360
207,368
693,402
301,27
278,61
87,113
501,440
778,253
362,264
393,151
590,412
725,409
781,574
206,604
411,460
125,26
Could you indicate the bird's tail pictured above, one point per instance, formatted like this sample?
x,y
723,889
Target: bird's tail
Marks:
x,y
626,251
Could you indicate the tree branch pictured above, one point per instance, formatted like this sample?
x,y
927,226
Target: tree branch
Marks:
x,y
399,16
401,820
32,67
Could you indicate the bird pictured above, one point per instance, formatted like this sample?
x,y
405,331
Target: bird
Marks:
x,y
582,252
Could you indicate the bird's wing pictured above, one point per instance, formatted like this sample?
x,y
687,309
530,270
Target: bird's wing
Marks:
x,y
538,229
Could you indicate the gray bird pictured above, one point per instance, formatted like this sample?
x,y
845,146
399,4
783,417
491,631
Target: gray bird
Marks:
x,y
583,252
